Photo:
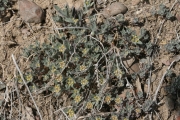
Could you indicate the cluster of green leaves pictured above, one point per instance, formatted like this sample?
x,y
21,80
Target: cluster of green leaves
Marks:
x,y
174,87
173,46
3,5
81,64
164,11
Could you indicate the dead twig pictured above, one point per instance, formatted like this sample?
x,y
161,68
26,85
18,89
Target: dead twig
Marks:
x,y
26,86
162,23
161,81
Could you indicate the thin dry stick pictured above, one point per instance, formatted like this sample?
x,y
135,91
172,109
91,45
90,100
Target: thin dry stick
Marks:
x,y
26,86
149,80
177,32
5,96
71,28
96,114
158,115
161,81
18,94
97,41
64,113
11,110
162,23
102,101
3,70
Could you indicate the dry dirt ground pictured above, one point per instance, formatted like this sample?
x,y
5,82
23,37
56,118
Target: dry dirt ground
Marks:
x,y
16,35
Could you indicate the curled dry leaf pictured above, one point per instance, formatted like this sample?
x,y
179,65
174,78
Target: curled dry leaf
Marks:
x,y
30,11
131,65
138,85
114,9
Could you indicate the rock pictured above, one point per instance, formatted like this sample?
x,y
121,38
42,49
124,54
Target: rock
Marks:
x,y
30,11
114,9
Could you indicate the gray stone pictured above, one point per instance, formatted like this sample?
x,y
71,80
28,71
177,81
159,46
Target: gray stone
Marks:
x,y
30,11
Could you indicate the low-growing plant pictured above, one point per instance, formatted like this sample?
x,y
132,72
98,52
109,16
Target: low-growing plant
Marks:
x,y
174,86
164,12
173,46
3,6
84,61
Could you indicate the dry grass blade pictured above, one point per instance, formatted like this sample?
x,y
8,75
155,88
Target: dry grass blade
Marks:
x,y
26,86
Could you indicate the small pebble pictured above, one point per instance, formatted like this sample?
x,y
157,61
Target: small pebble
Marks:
x,y
30,11
114,9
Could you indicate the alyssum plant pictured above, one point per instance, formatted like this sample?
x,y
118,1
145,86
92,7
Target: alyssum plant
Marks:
x,y
84,61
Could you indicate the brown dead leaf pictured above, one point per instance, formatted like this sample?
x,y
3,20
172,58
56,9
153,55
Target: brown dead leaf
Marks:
x,y
138,85
131,65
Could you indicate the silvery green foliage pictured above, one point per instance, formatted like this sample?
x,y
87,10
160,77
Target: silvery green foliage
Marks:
x,y
3,7
164,11
173,46
80,63
147,106
174,87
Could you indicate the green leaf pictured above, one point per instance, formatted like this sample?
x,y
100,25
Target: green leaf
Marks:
x,y
57,19
66,43
69,20
61,13
2,8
